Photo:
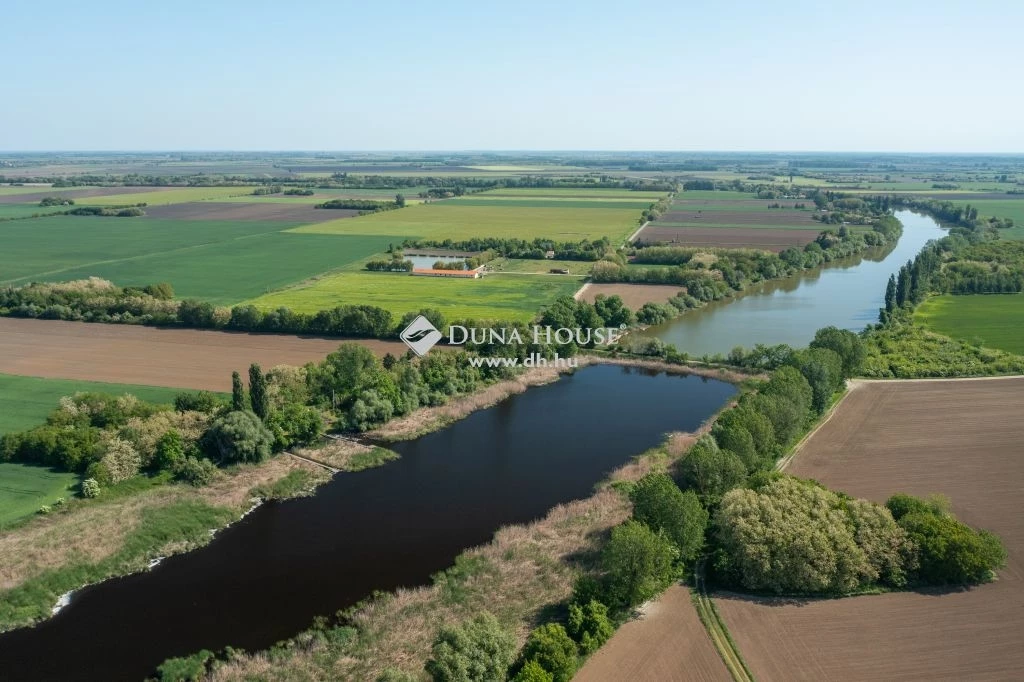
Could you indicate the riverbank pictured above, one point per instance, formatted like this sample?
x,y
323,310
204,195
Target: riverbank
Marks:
x,y
91,541
524,568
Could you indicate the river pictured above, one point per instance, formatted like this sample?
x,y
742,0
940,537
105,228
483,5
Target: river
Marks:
x,y
265,578
846,293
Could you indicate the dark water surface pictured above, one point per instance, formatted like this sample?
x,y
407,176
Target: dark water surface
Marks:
x,y
846,293
265,578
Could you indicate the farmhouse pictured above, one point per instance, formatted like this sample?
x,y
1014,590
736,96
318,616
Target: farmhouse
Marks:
x,y
430,272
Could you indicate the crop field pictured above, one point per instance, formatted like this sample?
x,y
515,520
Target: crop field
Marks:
x,y
452,219
25,401
494,296
633,295
220,261
997,320
320,195
15,211
734,220
35,193
1010,207
958,438
667,643
176,358
167,195
245,211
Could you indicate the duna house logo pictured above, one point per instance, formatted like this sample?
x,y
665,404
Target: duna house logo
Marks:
x,y
420,336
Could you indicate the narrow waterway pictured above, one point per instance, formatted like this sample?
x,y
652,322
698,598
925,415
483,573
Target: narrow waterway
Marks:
x,y
265,578
846,294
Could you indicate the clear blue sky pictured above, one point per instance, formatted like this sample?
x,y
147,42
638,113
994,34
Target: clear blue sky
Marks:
x,y
899,75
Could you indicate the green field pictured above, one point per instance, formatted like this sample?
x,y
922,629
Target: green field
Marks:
x,y
220,261
994,320
517,297
1003,208
25,402
321,195
14,211
160,197
525,265
24,489
450,220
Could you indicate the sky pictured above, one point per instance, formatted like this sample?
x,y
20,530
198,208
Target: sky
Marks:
x,y
899,75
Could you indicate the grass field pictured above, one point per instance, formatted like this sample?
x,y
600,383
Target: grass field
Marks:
x,y
24,489
516,297
220,261
450,220
1003,208
13,211
167,196
539,267
994,319
25,401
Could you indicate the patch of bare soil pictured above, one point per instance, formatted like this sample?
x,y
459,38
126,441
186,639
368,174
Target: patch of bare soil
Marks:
x,y
179,358
667,643
958,438
633,295
77,193
255,211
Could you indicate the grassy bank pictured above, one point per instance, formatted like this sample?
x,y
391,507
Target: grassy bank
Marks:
x,y
144,518
24,489
515,576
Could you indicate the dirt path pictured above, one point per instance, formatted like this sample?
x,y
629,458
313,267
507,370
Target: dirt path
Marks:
x,y
667,644
179,358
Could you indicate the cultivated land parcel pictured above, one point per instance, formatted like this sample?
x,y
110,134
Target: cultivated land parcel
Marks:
x,y
958,438
225,246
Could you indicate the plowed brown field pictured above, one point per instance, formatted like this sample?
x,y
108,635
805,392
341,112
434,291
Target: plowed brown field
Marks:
x,y
964,439
633,295
212,210
669,644
180,358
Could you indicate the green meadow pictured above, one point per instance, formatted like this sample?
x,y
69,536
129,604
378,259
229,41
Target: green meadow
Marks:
x,y
25,402
159,197
15,211
219,261
995,320
24,489
496,296
453,220
1003,208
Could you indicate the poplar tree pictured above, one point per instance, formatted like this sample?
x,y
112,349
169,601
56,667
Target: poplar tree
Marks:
x,y
237,392
258,392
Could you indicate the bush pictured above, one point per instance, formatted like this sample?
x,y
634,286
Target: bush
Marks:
x,y
589,625
203,401
949,552
479,650
640,563
186,668
170,450
239,436
662,506
551,647
90,488
532,671
198,472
